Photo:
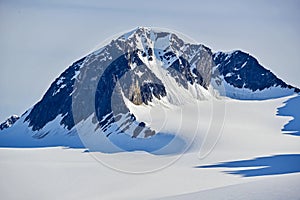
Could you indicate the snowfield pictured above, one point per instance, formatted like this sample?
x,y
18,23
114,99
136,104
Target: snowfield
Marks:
x,y
244,154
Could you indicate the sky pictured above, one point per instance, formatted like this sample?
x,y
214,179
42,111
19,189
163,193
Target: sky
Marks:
x,y
40,39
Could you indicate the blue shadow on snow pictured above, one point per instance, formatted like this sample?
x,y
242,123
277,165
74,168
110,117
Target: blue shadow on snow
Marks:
x,y
270,165
291,108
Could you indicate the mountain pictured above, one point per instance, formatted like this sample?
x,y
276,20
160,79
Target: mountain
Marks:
x,y
239,75
9,122
100,97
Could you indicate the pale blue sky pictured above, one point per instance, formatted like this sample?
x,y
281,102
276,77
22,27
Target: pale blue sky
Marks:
x,y
39,39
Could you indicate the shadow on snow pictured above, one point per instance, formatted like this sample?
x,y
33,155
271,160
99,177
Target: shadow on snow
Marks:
x,y
262,166
291,108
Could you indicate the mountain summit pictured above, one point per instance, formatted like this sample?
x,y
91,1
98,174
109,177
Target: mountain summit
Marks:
x,y
100,93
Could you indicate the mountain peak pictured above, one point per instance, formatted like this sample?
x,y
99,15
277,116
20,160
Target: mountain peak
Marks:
x,y
137,31
152,35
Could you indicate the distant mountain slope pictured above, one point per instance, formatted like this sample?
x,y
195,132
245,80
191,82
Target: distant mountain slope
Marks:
x,y
9,122
242,77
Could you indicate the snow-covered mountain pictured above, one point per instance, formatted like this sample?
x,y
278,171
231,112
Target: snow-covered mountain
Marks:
x,y
100,98
9,122
240,76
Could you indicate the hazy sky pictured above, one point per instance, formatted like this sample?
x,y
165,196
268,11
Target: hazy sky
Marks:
x,y
39,39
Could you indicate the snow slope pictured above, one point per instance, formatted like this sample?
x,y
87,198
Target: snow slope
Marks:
x,y
275,188
251,130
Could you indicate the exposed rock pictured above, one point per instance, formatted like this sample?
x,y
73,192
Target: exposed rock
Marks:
x,y
9,122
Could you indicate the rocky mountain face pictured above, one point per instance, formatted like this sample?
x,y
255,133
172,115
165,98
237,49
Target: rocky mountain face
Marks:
x,y
145,66
242,71
9,122
129,61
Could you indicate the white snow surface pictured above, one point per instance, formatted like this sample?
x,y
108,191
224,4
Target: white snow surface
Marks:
x,y
250,129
